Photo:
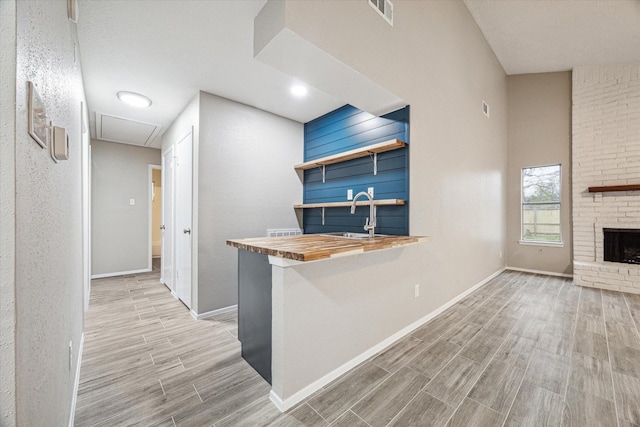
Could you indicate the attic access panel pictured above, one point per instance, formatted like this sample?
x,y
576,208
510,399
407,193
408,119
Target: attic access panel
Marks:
x,y
125,131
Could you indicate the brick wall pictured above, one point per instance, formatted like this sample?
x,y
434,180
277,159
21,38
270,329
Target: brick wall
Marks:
x,y
606,151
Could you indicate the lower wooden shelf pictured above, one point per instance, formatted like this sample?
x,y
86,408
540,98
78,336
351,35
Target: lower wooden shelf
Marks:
x,y
381,202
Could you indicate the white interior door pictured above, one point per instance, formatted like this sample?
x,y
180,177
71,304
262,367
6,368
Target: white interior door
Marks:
x,y
184,207
167,257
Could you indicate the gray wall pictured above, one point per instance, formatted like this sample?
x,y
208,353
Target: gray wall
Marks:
x,y
43,252
539,134
437,60
246,184
120,232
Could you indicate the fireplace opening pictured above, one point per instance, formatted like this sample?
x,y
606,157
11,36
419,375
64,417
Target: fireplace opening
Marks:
x,y
622,245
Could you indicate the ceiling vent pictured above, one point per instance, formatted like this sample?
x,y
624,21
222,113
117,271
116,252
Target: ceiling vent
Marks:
x,y
384,9
125,131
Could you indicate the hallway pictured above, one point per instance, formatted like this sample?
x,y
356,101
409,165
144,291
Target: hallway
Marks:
x,y
146,360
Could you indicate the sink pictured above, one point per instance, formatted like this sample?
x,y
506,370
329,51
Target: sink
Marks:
x,y
347,235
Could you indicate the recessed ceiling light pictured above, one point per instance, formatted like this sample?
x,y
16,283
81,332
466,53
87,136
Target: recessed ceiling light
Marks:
x,y
134,99
299,90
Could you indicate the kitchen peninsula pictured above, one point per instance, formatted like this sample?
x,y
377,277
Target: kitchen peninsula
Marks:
x,y
311,307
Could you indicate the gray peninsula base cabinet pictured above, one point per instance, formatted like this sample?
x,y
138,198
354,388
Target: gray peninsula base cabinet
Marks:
x,y
254,310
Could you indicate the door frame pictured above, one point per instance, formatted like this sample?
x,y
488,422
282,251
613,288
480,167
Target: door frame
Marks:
x,y
150,198
173,147
168,200
195,176
86,203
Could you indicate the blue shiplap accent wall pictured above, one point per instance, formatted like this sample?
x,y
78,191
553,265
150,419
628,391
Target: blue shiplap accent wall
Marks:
x,y
342,130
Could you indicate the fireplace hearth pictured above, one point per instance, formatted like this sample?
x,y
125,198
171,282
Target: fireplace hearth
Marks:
x,y
622,245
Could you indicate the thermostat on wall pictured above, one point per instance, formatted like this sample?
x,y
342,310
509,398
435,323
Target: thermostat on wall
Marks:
x,y
60,144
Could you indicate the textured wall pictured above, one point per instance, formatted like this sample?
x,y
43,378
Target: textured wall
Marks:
x,y
120,232
7,212
606,151
539,134
48,215
246,184
437,60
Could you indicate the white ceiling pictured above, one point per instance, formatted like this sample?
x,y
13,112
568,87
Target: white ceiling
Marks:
x,y
169,50
539,36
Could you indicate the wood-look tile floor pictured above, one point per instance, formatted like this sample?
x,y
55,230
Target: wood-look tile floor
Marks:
x,y
523,350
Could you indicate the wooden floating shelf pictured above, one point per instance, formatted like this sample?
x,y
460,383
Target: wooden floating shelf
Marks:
x,y
380,147
610,188
381,202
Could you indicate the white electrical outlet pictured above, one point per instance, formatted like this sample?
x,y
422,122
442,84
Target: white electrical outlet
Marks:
x,y
350,194
416,290
370,191
132,202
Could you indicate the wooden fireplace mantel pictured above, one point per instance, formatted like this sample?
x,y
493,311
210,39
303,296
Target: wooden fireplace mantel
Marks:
x,y
609,188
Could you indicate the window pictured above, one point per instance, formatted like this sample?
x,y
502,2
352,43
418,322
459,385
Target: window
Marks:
x,y
541,204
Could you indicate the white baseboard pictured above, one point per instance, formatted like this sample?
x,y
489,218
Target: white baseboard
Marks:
x,y
200,316
546,273
76,383
291,401
120,273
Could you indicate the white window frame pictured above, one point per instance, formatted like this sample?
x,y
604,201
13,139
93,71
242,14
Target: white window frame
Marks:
x,y
522,240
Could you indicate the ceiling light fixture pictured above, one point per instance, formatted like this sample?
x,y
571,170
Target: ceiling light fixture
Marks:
x,y
299,90
134,99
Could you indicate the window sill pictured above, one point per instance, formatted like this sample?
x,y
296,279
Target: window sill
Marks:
x,y
534,243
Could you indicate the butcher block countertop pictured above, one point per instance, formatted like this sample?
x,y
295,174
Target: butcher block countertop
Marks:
x,y
313,247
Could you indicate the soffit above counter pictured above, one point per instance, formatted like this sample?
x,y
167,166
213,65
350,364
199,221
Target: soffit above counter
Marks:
x,y
277,45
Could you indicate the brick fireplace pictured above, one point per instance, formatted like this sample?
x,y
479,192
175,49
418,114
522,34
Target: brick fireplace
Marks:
x,y
605,153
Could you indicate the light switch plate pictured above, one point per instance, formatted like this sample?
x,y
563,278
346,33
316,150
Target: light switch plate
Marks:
x,y
37,117
370,191
59,143
132,202
349,194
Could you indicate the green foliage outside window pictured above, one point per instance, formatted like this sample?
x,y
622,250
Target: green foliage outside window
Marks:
x,y
541,193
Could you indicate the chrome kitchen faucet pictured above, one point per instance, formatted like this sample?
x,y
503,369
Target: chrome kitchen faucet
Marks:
x,y
370,225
